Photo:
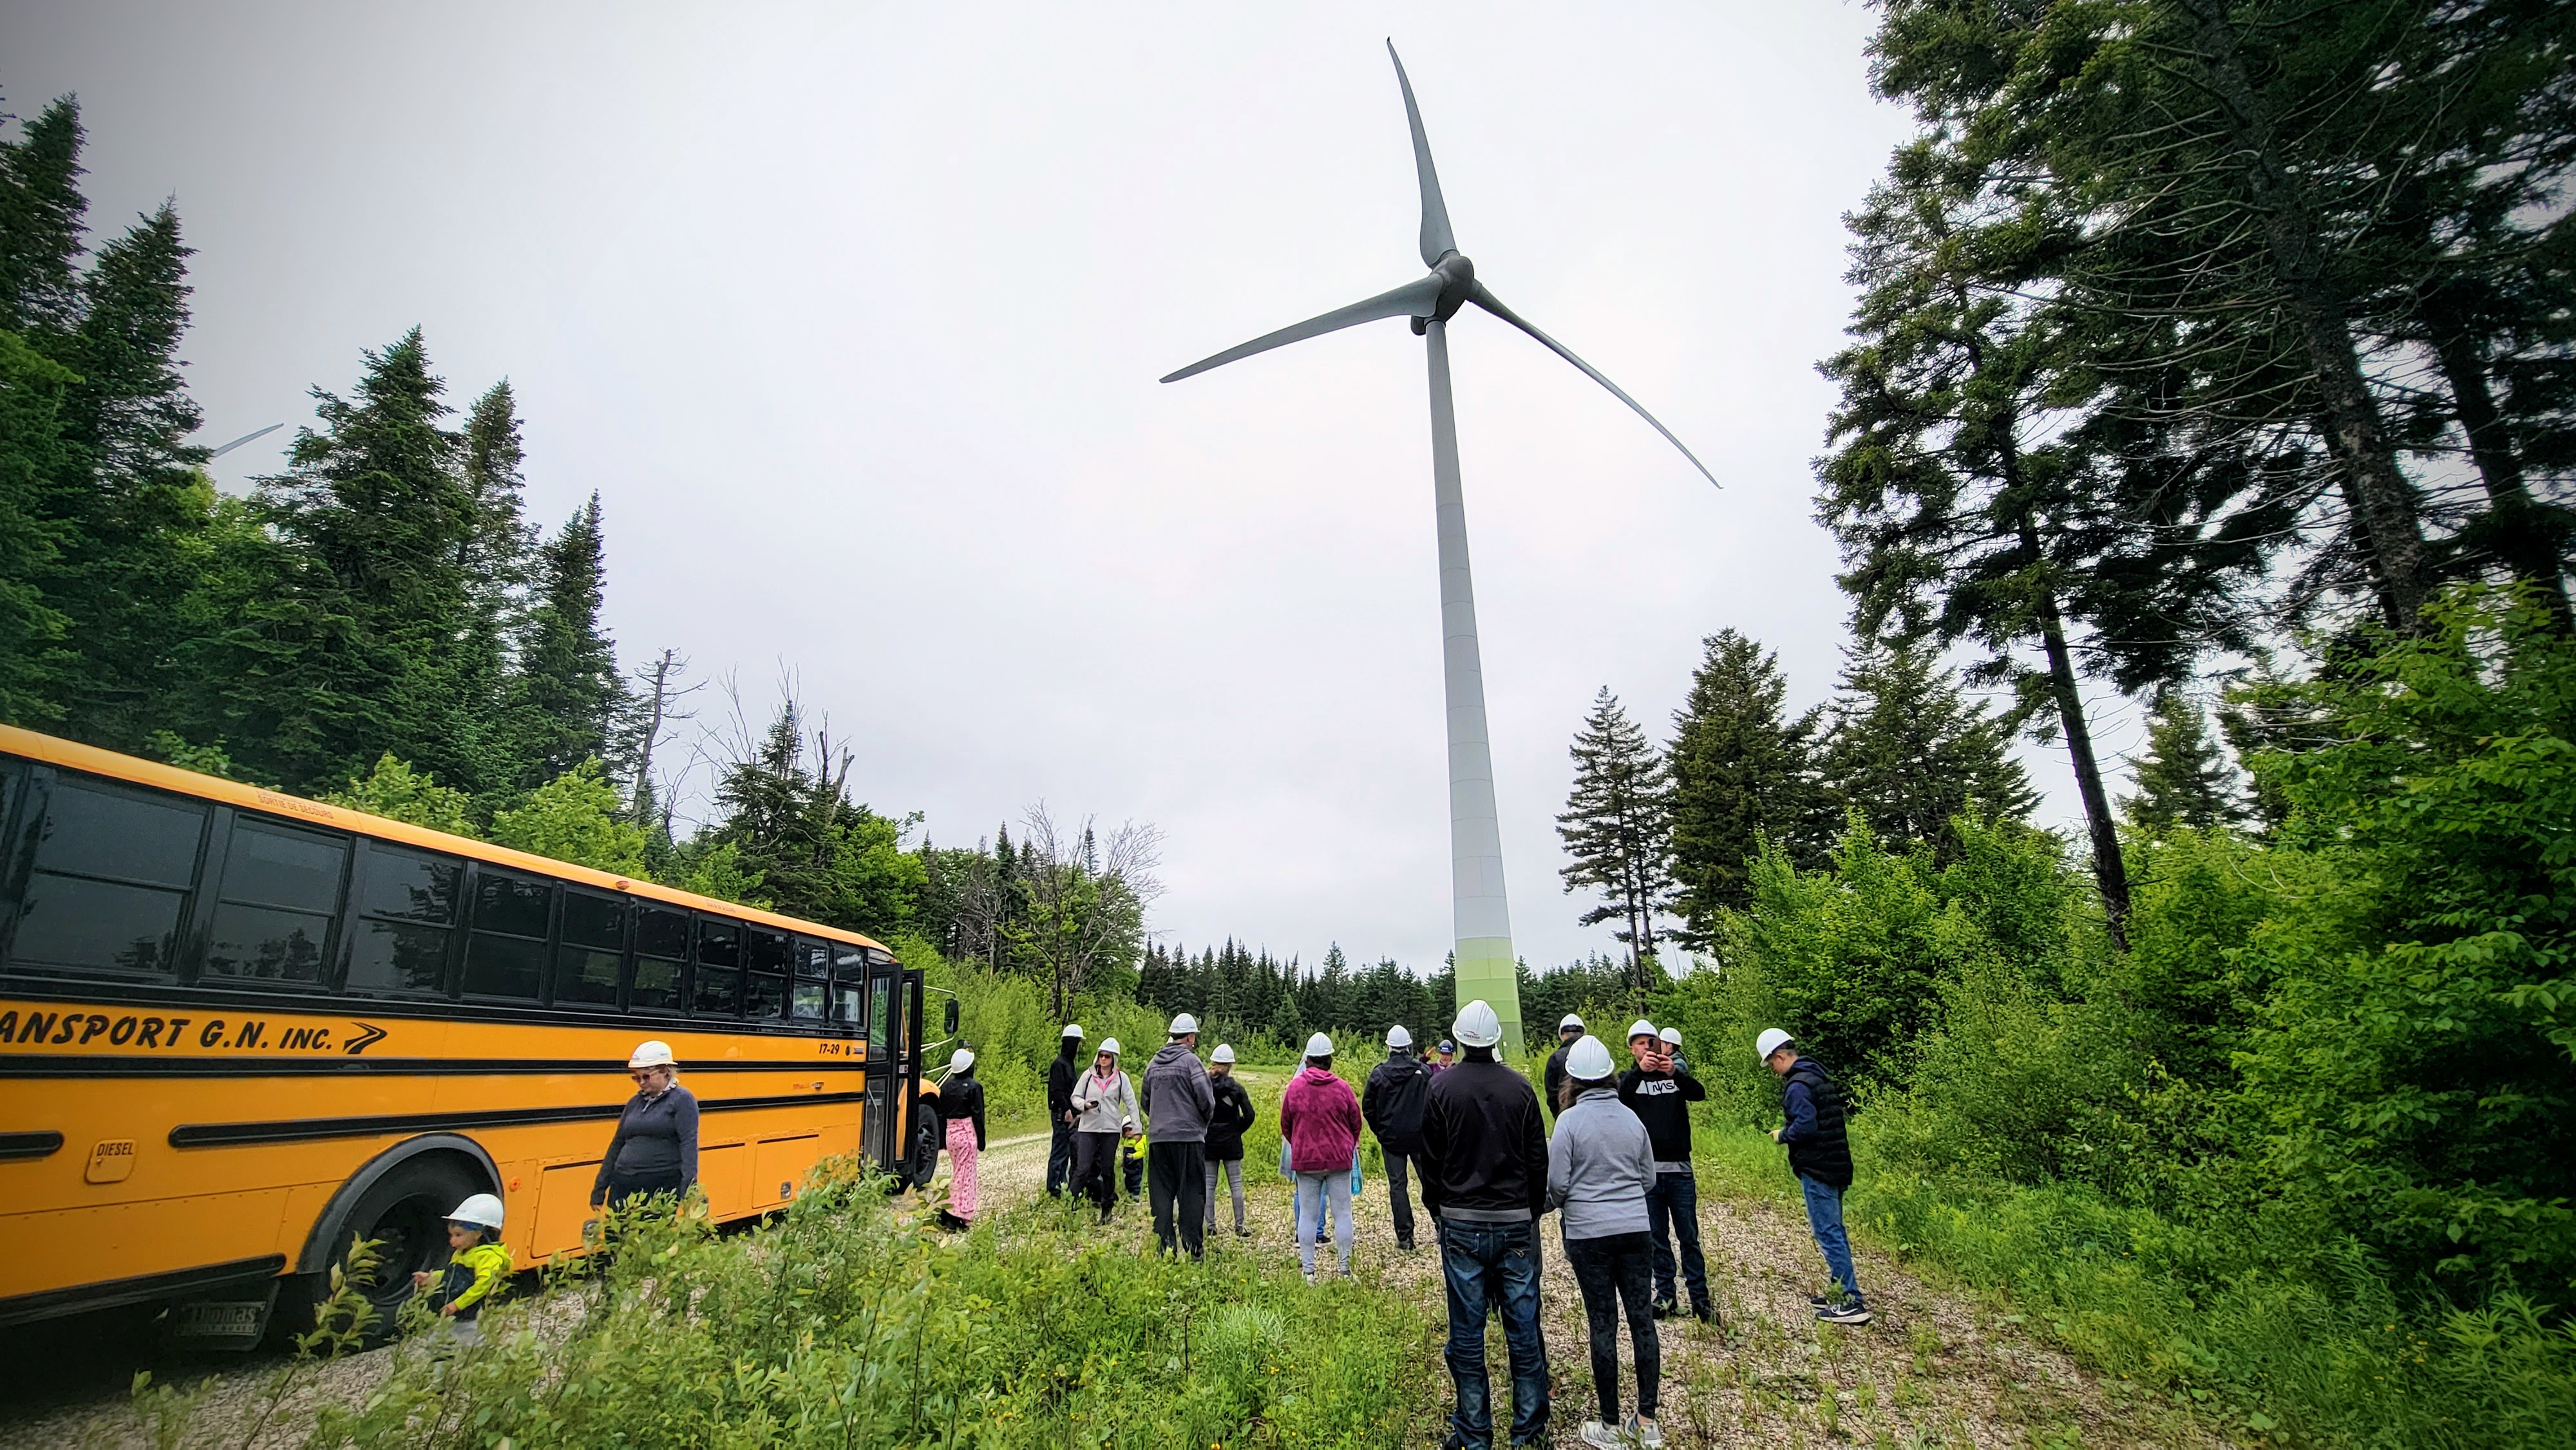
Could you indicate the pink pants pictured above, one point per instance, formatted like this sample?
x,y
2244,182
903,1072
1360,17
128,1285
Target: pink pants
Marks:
x,y
961,1169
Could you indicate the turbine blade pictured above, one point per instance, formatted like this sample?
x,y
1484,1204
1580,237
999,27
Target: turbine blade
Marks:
x,y
1413,299
1436,238
1488,301
245,438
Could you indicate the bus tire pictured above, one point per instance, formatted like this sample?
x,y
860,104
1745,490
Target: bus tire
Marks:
x,y
405,1211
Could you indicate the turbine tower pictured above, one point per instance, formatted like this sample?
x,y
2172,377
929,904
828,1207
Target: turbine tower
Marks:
x,y
1483,917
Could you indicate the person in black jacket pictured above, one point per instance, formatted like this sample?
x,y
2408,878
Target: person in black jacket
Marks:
x,y
1234,1113
1484,1182
1060,1075
961,1104
1392,1105
1567,1032
1660,1091
1820,1155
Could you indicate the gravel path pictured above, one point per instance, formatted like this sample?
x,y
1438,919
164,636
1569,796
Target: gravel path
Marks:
x,y
1938,1368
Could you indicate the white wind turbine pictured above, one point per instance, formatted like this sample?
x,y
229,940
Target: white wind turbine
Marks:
x,y
1483,917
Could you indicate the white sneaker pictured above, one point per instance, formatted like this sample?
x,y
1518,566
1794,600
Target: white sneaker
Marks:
x,y
1644,1433
1597,1433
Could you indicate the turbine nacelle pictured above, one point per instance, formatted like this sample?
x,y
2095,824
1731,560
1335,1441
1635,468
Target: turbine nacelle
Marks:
x,y
1450,286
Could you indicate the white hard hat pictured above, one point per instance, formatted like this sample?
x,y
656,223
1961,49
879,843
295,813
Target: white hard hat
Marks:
x,y
1673,1035
1224,1053
654,1053
1071,1029
1319,1046
482,1210
1771,1041
960,1060
1570,1021
1396,1036
1184,1025
1642,1028
1110,1046
1477,1026
1589,1060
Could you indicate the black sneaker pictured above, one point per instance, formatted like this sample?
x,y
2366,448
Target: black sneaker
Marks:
x,y
1664,1308
1704,1313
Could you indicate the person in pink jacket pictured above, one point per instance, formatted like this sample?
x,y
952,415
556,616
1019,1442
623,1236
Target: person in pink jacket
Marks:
x,y
1320,1117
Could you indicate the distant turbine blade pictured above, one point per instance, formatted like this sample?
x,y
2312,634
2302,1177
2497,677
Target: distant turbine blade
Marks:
x,y
1413,299
1488,301
1436,238
245,438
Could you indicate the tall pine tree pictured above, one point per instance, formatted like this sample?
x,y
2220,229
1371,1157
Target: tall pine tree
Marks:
x,y
568,691
1617,829
2183,779
1742,770
1910,753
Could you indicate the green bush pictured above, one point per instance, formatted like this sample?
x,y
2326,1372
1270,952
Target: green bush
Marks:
x,y
841,1325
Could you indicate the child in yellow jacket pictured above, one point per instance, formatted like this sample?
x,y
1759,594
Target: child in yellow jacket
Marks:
x,y
475,1271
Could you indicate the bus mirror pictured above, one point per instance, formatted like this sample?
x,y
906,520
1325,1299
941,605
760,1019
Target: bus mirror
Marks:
x,y
949,1021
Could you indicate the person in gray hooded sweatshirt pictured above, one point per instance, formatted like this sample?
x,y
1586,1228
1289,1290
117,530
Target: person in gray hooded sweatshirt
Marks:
x,y
1178,1103
1600,1166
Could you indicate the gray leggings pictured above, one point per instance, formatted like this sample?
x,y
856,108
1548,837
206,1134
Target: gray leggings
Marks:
x,y
1233,1171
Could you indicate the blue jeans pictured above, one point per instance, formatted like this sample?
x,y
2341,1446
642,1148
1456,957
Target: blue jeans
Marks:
x,y
1825,1216
1672,1212
1493,1265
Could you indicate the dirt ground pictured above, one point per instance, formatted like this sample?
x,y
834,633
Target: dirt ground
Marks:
x,y
1937,1368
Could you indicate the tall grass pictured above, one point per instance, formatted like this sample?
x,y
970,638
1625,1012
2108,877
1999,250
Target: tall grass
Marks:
x,y
842,1325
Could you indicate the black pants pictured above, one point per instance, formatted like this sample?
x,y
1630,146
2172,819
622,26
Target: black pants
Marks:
x,y
1059,1158
1178,1174
624,1187
1614,1272
1095,1169
1672,1219
1399,1201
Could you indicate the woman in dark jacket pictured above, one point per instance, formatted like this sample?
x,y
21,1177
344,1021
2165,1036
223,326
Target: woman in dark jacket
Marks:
x,y
655,1148
1233,1114
961,1103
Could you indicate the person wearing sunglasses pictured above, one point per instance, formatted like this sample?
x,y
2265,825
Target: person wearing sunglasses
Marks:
x,y
655,1149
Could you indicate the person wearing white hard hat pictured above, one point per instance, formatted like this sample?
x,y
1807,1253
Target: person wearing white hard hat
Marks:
x,y
476,1267
961,1107
1178,1103
1484,1182
1061,1073
655,1148
1660,1091
1600,1167
1553,1080
1104,1108
1392,1104
1234,1113
1811,1105
1673,1048
1319,1118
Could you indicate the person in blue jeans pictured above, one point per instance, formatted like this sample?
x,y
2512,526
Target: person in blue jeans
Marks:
x,y
1484,1182
1820,1154
1660,1090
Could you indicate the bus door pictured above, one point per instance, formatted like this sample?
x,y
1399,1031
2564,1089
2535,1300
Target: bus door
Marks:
x,y
886,1098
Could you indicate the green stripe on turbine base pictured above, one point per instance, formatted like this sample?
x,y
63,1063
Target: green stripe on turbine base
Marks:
x,y
1485,970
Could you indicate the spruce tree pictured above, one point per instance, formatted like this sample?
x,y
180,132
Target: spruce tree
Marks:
x,y
492,556
32,457
1741,771
1617,828
1910,753
568,694
2184,779
348,650
41,208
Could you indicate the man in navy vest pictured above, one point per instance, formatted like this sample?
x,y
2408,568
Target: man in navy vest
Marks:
x,y
1820,1155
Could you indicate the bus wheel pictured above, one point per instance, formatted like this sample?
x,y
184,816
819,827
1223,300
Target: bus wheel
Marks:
x,y
405,1213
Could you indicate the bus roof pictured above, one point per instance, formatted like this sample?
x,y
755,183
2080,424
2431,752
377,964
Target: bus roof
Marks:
x,y
74,756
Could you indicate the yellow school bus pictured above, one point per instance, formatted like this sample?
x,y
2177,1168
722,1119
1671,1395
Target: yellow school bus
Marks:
x,y
238,1029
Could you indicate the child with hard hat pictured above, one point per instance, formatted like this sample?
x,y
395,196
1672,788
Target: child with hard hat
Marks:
x,y
477,1265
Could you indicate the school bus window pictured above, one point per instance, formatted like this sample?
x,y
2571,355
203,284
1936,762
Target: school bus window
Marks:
x,y
408,908
813,958
592,949
880,1015
110,882
661,945
273,910
765,953
715,985
505,957
807,995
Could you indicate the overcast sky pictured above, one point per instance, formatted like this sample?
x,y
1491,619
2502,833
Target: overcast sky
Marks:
x,y
852,316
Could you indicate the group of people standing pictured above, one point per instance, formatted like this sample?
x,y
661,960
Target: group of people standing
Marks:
x,y
1197,1113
